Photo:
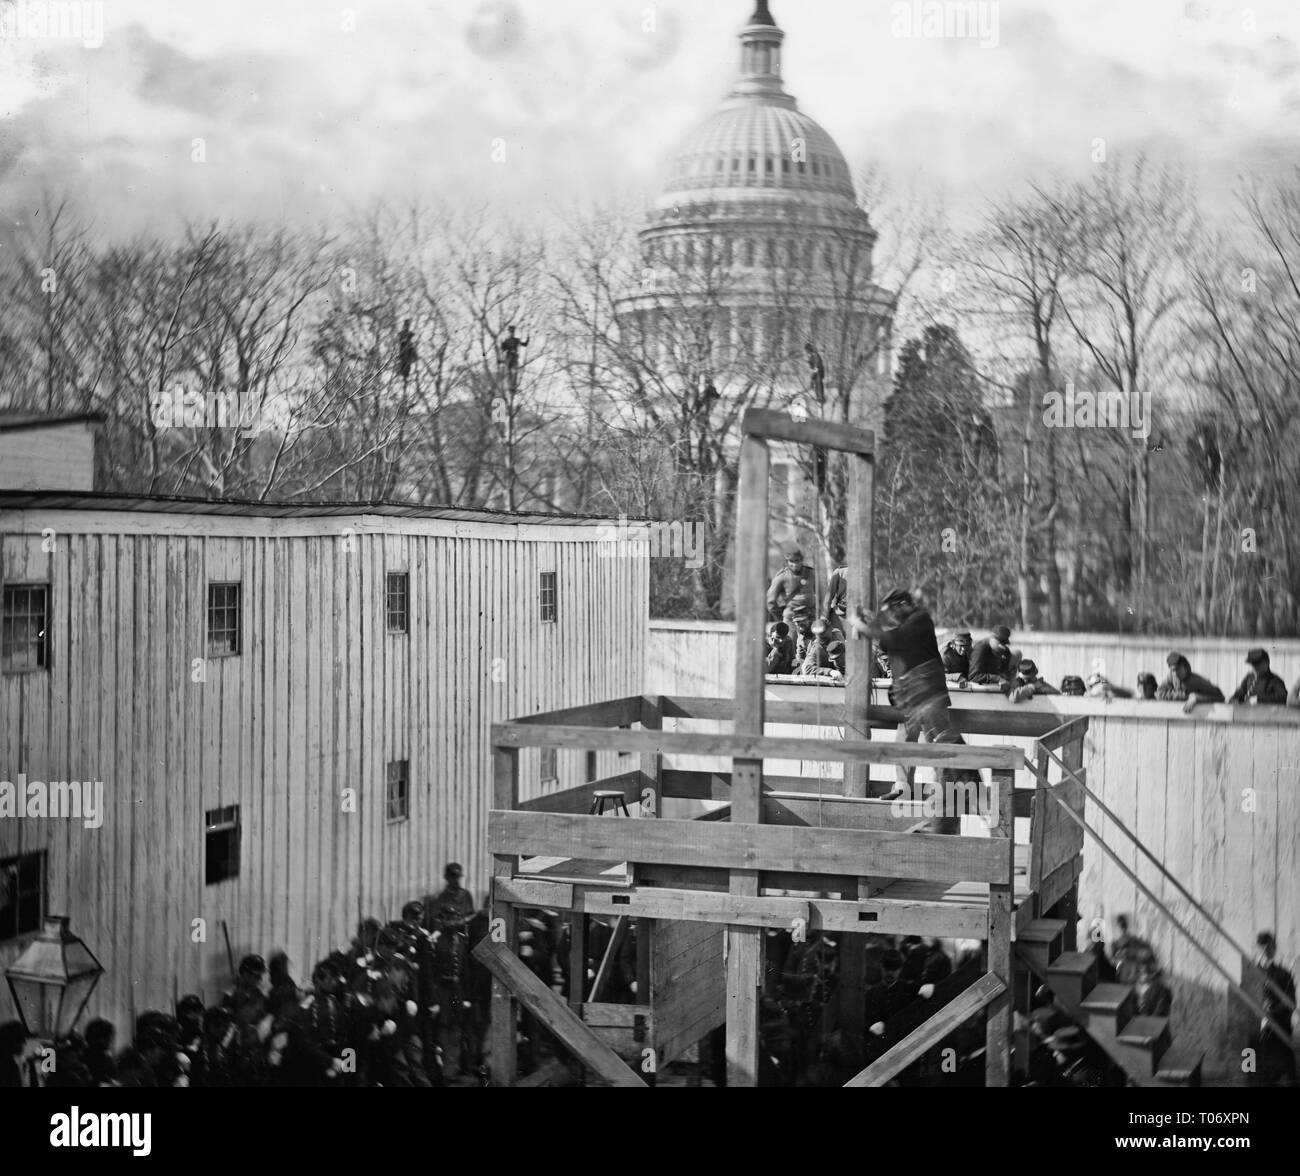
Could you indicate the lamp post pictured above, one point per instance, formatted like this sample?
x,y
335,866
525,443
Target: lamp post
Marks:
x,y
52,981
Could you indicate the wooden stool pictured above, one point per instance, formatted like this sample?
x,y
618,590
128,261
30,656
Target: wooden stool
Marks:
x,y
607,799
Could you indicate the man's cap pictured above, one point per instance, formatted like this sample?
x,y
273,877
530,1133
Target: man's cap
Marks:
x,y
1002,633
1175,659
1072,684
897,596
413,910
1257,655
252,965
1027,667
453,868
794,553
781,629
964,633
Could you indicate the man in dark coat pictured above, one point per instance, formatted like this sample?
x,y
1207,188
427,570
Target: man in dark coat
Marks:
x,y
1276,1057
792,598
1261,686
780,649
906,634
990,659
1185,687
884,1001
956,654
1027,684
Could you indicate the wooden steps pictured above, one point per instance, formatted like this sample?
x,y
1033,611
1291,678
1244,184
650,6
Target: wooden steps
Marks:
x,y
1141,1046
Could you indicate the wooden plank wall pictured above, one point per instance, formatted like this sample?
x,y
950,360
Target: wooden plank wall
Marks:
x,y
318,703
688,984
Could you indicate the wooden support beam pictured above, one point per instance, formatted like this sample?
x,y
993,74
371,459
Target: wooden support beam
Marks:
x,y
997,1065
502,1033
577,958
535,893
778,426
750,746
839,812
983,992
732,845
1069,732
618,712
744,945
859,655
652,762
539,1000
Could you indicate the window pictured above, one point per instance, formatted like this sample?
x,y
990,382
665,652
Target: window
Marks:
x,y
550,772
550,611
22,894
591,767
223,620
398,596
221,844
399,790
24,638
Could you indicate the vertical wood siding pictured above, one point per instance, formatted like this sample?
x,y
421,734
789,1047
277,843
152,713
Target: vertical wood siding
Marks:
x,y
320,699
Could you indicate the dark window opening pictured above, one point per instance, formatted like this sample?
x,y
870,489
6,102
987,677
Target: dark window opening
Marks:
x,y
22,894
223,620
550,769
24,634
548,597
398,602
399,790
221,844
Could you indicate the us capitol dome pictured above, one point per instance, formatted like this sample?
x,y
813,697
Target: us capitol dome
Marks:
x,y
757,239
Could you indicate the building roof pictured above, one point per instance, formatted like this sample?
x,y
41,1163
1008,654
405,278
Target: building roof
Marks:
x,y
12,421
145,504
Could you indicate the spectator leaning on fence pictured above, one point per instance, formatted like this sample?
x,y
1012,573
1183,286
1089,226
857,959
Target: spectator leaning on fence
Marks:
x,y
1261,686
990,659
1184,686
1027,684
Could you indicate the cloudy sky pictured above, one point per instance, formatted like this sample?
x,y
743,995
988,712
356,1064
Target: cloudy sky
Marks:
x,y
307,109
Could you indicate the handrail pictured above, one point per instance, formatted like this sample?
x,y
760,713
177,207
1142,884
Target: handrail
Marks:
x,y
1182,890
1247,999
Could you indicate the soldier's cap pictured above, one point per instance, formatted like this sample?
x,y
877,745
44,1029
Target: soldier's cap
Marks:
x,y
453,868
897,596
1072,684
327,967
413,910
781,629
794,553
1257,655
252,965
1176,659
1002,633
189,1004
892,960
964,633
1027,668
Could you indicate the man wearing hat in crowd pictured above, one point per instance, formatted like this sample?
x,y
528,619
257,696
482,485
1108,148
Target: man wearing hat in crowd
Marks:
x,y
791,598
1277,1058
884,1000
1261,686
906,633
780,649
1186,687
990,659
1027,684
956,654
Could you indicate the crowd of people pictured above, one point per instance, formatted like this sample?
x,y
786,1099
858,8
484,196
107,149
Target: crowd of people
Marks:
x,y
806,638
405,1004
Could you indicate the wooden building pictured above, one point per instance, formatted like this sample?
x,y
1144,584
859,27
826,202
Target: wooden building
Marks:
x,y
288,707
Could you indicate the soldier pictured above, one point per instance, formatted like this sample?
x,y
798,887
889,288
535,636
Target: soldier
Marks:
x,y
885,1000
100,1036
453,906
1027,684
1129,953
251,1015
189,1018
1261,686
412,969
956,654
837,594
791,597
1276,1056
213,1066
780,649
319,1034
990,658
1186,687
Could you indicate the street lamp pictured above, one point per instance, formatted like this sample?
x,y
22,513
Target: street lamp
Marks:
x,y
52,981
